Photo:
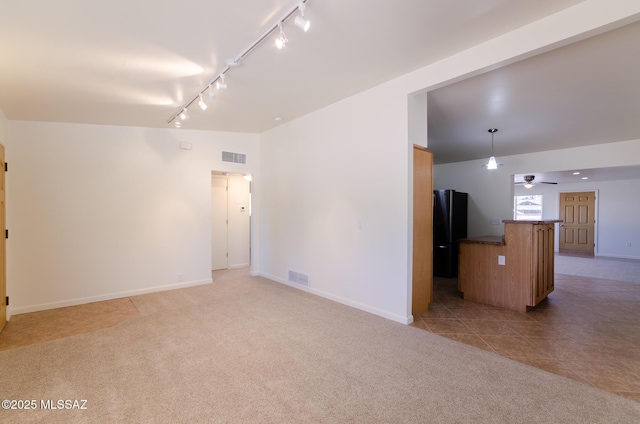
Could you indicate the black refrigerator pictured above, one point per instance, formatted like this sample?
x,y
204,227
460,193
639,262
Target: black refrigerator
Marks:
x,y
449,225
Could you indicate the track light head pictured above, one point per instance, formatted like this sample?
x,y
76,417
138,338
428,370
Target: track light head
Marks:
x,y
183,115
221,85
177,123
300,20
302,23
212,92
201,103
282,40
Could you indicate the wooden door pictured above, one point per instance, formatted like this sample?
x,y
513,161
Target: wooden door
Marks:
x,y
577,211
422,284
3,247
219,222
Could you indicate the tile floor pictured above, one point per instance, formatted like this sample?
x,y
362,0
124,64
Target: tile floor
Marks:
x,y
588,329
52,324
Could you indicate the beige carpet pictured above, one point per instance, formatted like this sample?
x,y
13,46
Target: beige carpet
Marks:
x,y
247,350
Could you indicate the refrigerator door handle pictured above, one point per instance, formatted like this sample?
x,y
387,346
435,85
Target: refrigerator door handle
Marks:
x,y
443,246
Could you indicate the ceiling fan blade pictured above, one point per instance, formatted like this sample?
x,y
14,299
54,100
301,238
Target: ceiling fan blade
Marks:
x,y
544,182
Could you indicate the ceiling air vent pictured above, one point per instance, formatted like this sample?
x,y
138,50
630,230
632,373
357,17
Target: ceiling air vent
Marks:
x,y
299,278
234,157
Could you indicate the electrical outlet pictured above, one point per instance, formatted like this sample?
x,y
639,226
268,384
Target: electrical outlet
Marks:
x,y
180,278
347,292
495,221
501,260
628,244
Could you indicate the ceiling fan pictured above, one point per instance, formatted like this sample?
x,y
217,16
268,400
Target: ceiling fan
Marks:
x,y
528,181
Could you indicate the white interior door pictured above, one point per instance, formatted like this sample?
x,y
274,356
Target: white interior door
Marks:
x,y
219,222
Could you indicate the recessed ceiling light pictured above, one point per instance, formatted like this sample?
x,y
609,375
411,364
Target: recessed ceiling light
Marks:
x,y
585,178
576,173
277,118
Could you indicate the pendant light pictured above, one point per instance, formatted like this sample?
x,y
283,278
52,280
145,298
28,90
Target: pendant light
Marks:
x,y
492,164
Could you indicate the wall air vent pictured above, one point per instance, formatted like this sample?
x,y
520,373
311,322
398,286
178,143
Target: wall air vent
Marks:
x,y
234,157
299,278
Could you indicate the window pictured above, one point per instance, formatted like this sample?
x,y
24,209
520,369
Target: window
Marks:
x,y
528,208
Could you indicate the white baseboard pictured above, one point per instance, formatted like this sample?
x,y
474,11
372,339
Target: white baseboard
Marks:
x,y
238,266
81,301
342,300
606,255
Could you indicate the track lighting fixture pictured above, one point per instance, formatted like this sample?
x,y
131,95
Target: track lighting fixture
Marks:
x,y
281,41
300,21
201,103
492,164
221,85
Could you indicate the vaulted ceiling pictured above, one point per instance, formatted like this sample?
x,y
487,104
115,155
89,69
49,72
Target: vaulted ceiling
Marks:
x,y
123,62
584,93
137,63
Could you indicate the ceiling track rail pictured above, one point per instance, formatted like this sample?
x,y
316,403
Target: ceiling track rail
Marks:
x,y
242,55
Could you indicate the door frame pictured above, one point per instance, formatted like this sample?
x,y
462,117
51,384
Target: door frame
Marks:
x,y
422,235
3,241
215,210
595,217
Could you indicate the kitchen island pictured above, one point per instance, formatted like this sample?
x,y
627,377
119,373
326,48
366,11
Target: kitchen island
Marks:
x,y
514,271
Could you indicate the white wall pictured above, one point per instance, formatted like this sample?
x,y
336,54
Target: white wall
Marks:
x,y
491,192
97,212
322,175
617,205
352,161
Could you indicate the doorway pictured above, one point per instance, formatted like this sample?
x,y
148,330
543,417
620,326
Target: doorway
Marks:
x,y
577,230
230,220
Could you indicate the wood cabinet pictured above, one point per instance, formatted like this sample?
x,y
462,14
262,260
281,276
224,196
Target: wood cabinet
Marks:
x,y
515,271
542,261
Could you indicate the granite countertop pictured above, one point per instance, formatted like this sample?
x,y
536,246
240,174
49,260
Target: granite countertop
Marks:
x,y
499,240
495,240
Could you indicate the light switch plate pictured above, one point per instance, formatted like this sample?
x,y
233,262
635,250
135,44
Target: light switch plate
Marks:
x,y
501,260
